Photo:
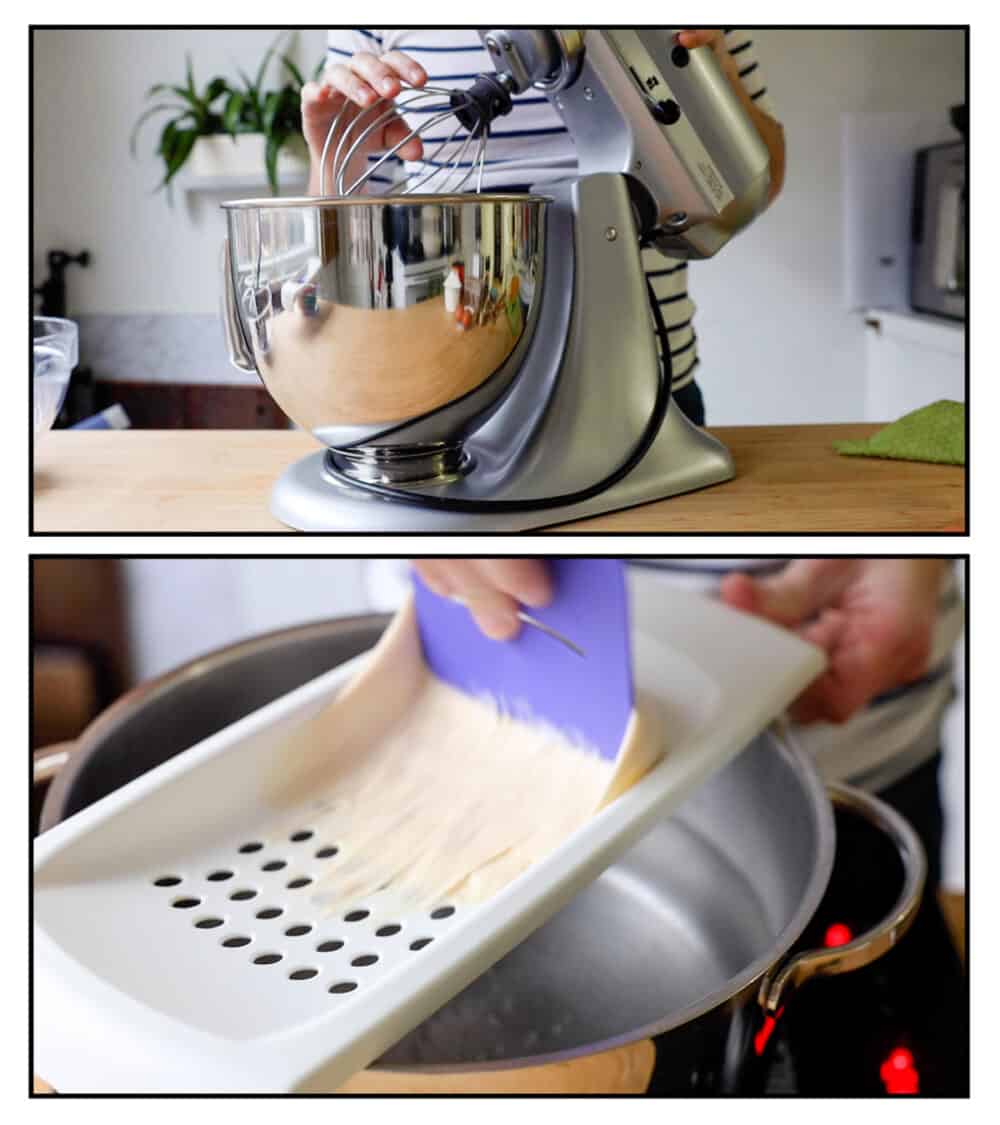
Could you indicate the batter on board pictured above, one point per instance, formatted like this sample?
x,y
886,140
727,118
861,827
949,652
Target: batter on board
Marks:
x,y
432,795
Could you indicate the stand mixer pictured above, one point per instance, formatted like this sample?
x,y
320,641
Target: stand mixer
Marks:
x,y
485,362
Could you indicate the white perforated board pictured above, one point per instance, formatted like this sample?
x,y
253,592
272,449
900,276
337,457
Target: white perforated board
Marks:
x,y
236,977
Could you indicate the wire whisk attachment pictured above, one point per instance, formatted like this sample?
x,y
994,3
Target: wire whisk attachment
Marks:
x,y
463,116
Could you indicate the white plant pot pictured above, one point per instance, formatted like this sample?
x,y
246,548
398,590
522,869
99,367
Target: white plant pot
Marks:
x,y
242,158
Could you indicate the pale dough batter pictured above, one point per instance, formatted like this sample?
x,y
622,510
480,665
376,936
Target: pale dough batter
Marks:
x,y
434,797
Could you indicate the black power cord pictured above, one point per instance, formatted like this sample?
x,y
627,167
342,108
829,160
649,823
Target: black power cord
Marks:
x,y
641,448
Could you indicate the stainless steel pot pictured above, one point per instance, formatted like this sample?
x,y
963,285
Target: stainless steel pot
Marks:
x,y
389,328
689,939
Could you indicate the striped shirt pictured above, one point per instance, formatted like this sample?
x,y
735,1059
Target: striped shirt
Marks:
x,y
531,146
893,735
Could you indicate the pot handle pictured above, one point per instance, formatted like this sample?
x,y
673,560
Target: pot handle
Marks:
x,y
877,941
48,761
240,355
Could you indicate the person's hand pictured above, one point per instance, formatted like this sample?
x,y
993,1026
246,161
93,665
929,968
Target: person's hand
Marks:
x,y
874,619
493,589
692,38
361,82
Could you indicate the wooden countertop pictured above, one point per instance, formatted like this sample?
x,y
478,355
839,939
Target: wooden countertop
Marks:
x,y
788,480
620,1070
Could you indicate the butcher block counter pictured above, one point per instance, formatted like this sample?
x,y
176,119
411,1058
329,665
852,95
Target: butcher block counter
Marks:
x,y
788,480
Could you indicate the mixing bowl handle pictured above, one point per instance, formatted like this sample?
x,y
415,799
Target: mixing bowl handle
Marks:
x,y
240,355
877,941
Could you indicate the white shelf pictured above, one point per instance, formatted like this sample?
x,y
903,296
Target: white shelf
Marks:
x,y
920,329
218,164
912,359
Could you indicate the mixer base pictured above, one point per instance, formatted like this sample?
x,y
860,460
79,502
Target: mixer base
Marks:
x,y
306,497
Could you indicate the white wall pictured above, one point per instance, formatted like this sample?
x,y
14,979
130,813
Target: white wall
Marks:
x,y
181,608
777,344
89,89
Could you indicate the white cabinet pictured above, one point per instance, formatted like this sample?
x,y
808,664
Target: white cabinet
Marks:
x,y
911,360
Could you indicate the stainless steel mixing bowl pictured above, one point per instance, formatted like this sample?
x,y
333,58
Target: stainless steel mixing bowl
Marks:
x,y
391,328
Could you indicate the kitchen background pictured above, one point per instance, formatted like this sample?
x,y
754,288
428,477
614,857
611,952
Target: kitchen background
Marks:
x,y
101,626
809,308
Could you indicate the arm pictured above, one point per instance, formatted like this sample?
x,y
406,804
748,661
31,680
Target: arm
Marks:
x,y
874,619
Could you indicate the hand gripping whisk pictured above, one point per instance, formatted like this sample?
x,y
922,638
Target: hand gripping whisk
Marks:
x,y
449,167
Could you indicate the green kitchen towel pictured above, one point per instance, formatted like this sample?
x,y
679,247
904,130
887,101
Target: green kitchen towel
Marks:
x,y
933,433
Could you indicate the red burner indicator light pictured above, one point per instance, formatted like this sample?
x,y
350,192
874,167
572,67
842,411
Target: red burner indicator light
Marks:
x,y
898,1073
838,934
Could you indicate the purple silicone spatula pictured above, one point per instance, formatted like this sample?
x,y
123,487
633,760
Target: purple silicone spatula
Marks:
x,y
588,696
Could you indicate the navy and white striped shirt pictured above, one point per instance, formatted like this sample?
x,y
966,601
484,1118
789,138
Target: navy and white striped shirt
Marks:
x,y
531,146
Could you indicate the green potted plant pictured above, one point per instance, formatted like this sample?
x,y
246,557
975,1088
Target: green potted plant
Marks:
x,y
227,129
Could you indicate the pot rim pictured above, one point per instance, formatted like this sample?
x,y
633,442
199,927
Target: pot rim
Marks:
x,y
53,806
816,792
325,202
806,771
